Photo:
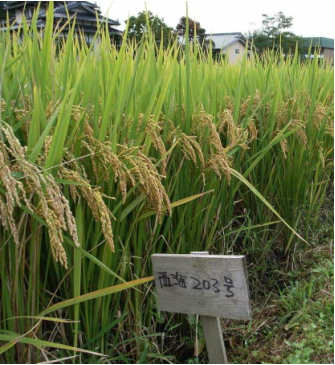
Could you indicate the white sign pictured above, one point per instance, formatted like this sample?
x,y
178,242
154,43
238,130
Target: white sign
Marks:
x,y
208,285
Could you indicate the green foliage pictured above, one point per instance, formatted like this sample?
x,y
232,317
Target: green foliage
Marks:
x,y
310,315
195,31
295,326
146,22
302,353
273,35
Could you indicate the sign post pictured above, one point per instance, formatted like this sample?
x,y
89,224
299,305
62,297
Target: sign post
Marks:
x,y
211,286
213,334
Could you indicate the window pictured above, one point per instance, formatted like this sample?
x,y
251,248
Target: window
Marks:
x,y
237,51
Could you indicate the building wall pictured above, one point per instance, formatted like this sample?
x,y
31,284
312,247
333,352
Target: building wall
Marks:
x,y
329,55
230,51
18,16
29,12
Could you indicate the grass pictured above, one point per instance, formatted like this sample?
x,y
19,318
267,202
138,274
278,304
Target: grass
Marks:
x,y
293,319
294,325
108,156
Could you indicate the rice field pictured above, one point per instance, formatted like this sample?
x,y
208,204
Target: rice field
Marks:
x,y
110,155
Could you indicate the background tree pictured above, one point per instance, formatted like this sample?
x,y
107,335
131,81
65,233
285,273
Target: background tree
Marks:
x,y
194,30
274,35
140,25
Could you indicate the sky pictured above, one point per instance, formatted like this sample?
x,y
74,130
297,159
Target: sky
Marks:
x,y
310,18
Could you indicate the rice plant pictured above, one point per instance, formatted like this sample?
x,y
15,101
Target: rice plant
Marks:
x,y
108,156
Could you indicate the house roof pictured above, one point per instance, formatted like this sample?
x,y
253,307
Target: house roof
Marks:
x,y
2,12
88,7
319,42
84,17
10,5
223,40
90,10
40,24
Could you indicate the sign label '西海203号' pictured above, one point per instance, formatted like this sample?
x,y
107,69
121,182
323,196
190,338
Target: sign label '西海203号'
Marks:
x,y
212,285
